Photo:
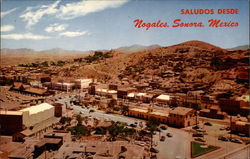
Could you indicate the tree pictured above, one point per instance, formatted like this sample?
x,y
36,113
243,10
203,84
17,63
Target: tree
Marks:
x,y
152,125
115,129
45,64
125,109
79,120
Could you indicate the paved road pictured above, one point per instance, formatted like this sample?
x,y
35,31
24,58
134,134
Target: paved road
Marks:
x,y
102,114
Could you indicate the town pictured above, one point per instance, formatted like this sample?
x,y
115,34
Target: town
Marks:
x,y
47,114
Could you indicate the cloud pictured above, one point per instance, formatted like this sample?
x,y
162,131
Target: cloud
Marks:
x,y
6,28
76,9
73,34
27,36
7,12
56,27
32,15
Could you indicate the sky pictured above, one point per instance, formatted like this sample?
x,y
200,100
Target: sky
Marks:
x,y
92,25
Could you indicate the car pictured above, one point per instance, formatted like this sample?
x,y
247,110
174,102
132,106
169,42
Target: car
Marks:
x,y
163,127
162,138
242,135
153,150
196,127
142,144
237,141
222,138
133,125
198,135
199,139
247,142
91,111
208,123
169,135
222,128
201,130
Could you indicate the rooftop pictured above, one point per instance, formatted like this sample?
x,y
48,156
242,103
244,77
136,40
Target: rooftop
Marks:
x,y
37,108
180,110
163,97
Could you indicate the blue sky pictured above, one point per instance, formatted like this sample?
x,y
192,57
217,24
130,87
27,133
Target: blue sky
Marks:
x,y
92,25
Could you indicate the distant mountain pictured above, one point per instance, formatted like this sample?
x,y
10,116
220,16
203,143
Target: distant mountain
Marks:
x,y
24,51
242,47
136,48
21,51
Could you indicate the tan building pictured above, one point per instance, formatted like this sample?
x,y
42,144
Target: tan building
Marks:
x,y
240,125
213,112
82,83
178,117
181,117
15,121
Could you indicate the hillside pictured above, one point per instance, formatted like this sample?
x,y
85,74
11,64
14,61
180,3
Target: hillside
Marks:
x,y
192,64
189,65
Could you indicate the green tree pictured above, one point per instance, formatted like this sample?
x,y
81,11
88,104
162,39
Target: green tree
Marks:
x,y
152,125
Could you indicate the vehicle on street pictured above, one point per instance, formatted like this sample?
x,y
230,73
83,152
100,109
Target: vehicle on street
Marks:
x,y
153,150
222,138
163,127
162,138
199,139
198,135
169,135
208,123
237,141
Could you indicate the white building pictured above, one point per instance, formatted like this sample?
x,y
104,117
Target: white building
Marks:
x,y
36,114
63,86
82,83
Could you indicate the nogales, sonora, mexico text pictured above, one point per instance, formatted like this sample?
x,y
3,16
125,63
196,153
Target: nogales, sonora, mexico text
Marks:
x,y
139,23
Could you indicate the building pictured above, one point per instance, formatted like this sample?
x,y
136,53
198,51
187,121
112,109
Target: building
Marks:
x,y
213,112
177,117
105,92
240,125
15,121
27,89
82,83
10,122
100,149
58,109
162,100
234,107
123,92
182,117
63,86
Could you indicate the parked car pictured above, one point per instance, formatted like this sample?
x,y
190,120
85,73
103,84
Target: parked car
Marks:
x,y
169,135
198,135
222,138
201,130
237,141
199,139
162,138
153,150
133,125
163,127
208,123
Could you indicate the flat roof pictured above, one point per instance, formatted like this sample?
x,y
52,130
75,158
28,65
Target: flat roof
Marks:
x,y
3,112
180,110
37,108
163,97
139,110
